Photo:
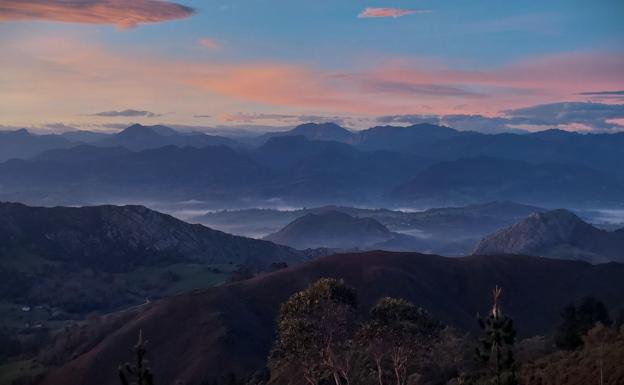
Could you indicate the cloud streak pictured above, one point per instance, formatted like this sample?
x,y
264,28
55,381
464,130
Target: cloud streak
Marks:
x,y
209,43
122,13
388,12
126,113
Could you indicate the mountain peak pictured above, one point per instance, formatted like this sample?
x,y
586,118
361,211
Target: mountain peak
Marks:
x,y
323,131
557,234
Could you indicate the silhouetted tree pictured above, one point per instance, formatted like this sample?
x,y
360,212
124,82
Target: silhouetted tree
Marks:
x,y
313,332
567,336
577,321
140,373
495,352
397,333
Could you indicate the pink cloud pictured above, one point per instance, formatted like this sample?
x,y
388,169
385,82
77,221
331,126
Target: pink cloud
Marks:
x,y
40,72
388,12
208,43
122,13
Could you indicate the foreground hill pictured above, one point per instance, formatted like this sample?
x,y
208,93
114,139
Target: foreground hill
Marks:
x,y
206,334
556,234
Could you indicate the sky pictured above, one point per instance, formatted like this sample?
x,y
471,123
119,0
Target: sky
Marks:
x,y
484,65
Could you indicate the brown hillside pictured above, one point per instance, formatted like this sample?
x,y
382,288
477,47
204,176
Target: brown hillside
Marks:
x,y
208,333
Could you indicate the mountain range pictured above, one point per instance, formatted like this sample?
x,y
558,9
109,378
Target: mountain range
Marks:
x,y
556,234
204,335
317,164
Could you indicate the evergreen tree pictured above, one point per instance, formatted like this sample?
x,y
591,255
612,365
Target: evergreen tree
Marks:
x,y
140,373
567,336
495,351
577,321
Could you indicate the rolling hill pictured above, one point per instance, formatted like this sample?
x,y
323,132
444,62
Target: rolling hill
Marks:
x,y
331,229
102,257
556,234
229,329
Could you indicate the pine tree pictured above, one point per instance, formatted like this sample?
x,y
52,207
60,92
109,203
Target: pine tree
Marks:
x,y
495,352
140,373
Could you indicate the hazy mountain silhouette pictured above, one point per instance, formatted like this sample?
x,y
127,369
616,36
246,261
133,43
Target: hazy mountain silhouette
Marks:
x,y
556,234
162,173
21,144
486,178
138,137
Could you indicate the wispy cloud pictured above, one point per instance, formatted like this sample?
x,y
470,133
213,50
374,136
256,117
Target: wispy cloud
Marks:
x,y
389,12
209,43
121,13
592,116
242,117
126,113
618,93
598,117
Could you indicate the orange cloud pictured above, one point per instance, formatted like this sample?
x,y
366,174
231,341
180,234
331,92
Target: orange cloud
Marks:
x,y
122,13
388,12
209,43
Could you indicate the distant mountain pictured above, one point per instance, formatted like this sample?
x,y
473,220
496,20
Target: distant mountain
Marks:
x,y
86,137
171,172
599,151
138,137
230,329
323,131
313,131
411,139
556,234
331,229
447,231
316,172
488,179
21,144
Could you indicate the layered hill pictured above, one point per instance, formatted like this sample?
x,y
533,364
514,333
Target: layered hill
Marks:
x,y
207,334
318,164
450,223
556,234
100,174
476,179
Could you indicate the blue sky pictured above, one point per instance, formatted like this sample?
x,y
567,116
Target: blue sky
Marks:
x,y
446,57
